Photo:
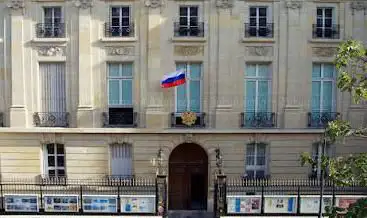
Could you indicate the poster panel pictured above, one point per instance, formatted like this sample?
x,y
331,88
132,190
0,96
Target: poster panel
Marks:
x,y
100,203
61,203
137,203
21,203
345,201
311,203
243,204
280,204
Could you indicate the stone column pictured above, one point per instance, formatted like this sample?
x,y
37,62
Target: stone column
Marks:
x,y
155,116
224,108
85,105
18,108
293,117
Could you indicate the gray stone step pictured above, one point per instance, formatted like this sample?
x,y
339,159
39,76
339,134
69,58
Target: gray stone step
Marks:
x,y
190,214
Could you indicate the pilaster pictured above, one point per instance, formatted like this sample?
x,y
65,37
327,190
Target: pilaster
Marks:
x,y
18,109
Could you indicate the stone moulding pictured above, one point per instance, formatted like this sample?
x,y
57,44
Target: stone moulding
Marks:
x,y
259,50
224,4
154,3
16,4
51,51
323,51
358,6
120,51
188,50
83,4
293,4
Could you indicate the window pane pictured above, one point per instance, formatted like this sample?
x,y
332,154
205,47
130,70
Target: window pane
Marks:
x,y
181,98
195,96
114,92
316,71
125,11
328,71
253,11
262,12
261,150
250,173
327,97
183,21
47,12
127,96
60,172
250,160
194,11
195,71
260,161
115,11
57,12
51,161
316,90
263,96
260,173
183,11
50,149
250,150
263,70
250,96
60,161
253,22
60,149
250,70
262,22
51,172
319,11
114,70
127,70
328,12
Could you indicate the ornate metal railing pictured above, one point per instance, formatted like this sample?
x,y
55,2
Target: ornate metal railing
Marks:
x,y
266,31
119,31
258,120
193,31
51,119
332,32
176,121
320,119
1,120
50,30
120,119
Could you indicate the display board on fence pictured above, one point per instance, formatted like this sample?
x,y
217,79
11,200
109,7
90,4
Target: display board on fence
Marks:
x,y
61,203
345,201
21,203
280,204
243,204
310,204
100,203
137,203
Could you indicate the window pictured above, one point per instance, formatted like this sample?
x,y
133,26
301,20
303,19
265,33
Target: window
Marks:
x,y
121,21
189,21
54,160
324,22
258,26
188,95
121,160
319,150
53,22
323,88
256,160
120,93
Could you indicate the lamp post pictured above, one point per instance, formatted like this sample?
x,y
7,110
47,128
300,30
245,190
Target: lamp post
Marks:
x,y
322,176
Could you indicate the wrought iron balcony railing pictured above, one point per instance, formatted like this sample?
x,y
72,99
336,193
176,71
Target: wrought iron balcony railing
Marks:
x,y
50,30
120,119
1,120
112,30
319,119
51,119
258,120
266,31
192,31
47,180
332,32
176,121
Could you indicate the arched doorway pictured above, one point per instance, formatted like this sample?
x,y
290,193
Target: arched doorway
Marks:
x,y
188,178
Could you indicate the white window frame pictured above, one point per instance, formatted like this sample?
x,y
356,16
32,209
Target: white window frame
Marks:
x,y
55,154
120,16
111,153
323,18
120,79
187,85
257,79
188,8
53,13
256,167
257,17
322,80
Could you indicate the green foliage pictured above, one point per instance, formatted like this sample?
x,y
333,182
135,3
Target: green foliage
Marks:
x,y
356,210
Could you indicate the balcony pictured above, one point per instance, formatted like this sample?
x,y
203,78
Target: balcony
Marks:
x,y
119,30
51,119
322,32
176,121
47,180
321,119
189,31
1,120
120,118
258,120
266,31
50,30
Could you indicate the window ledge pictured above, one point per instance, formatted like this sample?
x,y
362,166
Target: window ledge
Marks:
x,y
54,40
258,40
188,39
118,39
326,41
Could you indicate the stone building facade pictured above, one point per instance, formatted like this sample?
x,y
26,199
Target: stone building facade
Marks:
x,y
81,97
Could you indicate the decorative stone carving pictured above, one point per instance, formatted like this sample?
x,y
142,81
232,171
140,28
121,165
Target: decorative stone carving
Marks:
x,y
51,51
189,138
16,4
258,138
323,51
154,3
47,138
224,4
358,6
293,4
83,4
120,51
259,51
188,50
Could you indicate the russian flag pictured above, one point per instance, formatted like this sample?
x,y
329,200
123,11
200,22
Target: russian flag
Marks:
x,y
173,79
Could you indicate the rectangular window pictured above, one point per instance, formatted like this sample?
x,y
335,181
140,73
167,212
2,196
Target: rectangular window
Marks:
x,y
258,22
189,21
188,95
323,88
53,22
121,160
54,160
120,21
324,22
258,88
256,160
319,150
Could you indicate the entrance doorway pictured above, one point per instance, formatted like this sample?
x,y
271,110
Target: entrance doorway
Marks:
x,y
188,178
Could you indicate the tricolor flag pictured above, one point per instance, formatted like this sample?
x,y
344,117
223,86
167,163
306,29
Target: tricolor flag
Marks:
x,y
173,79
